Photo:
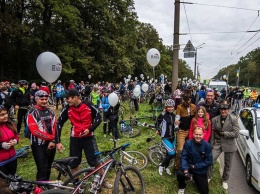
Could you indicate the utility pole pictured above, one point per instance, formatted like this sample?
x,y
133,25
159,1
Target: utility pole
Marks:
x,y
176,45
195,65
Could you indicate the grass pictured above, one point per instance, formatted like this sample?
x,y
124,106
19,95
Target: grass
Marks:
x,y
154,182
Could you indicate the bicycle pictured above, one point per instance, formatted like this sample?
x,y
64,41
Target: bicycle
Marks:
x,y
132,158
127,130
157,152
128,178
19,185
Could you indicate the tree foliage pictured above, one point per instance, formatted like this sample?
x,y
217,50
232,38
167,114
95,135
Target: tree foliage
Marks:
x,y
99,37
248,65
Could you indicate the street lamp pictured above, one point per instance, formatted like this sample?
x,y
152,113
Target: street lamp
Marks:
x,y
195,66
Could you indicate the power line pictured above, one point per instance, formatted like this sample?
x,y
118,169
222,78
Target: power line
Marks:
x,y
187,21
230,7
220,32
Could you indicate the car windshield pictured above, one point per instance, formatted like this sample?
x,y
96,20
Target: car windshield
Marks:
x,y
220,87
258,128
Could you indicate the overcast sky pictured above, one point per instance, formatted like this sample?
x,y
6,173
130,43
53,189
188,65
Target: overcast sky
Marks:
x,y
220,49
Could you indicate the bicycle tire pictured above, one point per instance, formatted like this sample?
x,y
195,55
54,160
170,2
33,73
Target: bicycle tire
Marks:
x,y
139,160
55,191
121,185
135,131
80,174
157,158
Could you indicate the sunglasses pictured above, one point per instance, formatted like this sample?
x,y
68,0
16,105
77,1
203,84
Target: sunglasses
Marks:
x,y
41,96
224,106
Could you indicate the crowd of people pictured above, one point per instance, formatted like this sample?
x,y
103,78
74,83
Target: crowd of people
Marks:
x,y
195,125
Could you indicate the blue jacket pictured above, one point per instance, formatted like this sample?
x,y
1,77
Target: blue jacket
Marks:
x,y
199,155
59,90
104,103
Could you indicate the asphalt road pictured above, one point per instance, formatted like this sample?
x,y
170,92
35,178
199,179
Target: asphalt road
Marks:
x,y
237,180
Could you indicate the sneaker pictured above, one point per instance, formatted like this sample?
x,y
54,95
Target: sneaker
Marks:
x,y
161,170
107,185
168,171
225,185
181,191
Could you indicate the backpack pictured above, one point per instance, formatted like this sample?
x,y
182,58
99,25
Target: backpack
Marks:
x,y
7,100
26,131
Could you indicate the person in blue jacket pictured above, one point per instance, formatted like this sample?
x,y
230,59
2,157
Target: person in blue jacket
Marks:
x,y
59,92
106,113
196,157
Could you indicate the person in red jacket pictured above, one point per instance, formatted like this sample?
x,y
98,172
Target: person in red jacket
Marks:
x,y
44,87
41,122
201,119
8,139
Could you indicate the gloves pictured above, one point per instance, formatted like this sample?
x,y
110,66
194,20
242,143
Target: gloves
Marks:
x,y
6,145
14,142
191,167
219,132
188,176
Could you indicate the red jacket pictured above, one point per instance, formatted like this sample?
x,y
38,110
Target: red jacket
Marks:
x,y
82,117
207,132
7,135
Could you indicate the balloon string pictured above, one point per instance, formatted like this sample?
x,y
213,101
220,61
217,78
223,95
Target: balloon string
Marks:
x,y
153,73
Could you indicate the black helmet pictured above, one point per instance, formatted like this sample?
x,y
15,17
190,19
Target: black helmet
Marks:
x,y
23,82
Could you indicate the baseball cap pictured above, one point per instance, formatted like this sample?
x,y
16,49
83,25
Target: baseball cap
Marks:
x,y
70,93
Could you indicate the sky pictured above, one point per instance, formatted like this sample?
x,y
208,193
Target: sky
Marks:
x,y
203,22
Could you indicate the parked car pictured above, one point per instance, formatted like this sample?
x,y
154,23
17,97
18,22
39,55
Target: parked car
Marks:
x,y
249,143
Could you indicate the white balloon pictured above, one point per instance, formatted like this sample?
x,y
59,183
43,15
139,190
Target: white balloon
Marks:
x,y
147,77
49,66
135,78
89,76
155,80
137,92
153,57
129,76
145,87
113,99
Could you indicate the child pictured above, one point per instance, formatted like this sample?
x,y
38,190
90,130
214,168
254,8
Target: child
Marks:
x,y
201,119
165,128
106,113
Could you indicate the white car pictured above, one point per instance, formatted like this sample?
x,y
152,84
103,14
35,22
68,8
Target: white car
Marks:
x,y
248,143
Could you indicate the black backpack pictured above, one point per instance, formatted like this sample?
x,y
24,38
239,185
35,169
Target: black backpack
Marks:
x,y
7,100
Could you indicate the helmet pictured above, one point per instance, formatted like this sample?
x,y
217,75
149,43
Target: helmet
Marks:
x,y
23,82
169,102
44,83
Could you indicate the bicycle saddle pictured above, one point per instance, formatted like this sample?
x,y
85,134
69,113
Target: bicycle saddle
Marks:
x,y
66,161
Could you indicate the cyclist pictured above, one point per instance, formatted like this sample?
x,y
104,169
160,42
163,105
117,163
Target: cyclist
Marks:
x,y
20,98
41,122
84,118
59,92
165,128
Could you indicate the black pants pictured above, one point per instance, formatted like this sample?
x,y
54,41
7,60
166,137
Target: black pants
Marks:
x,y
9,168
43,159
20,118
57,102
113,120
201,180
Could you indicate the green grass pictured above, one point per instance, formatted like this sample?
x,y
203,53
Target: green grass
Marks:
x,y
154,182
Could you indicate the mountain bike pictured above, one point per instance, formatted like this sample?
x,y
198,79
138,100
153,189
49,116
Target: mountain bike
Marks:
x,y
127,130
19,185
157,153
128,178
131,158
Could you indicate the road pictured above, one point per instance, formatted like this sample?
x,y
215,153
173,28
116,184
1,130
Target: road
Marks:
x,y
237,180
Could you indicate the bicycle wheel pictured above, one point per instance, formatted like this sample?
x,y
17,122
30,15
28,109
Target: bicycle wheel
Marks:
x,y
157,157
134,158
131,132
80,174
129,182
55,191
